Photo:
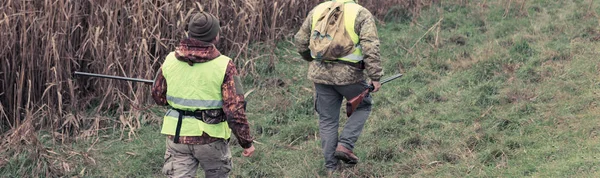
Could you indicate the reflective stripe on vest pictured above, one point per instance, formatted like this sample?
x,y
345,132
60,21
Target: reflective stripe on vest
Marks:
x,y
191,88
195,103
350,13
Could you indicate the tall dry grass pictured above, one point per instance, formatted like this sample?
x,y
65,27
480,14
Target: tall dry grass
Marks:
x,y
44,41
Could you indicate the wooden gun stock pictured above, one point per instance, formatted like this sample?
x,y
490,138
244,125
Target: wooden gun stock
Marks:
x,y
353,103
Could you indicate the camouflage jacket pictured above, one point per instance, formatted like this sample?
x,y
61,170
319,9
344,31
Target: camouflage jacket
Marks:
x,y
339,73
193,51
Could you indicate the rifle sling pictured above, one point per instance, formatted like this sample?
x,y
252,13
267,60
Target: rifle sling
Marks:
x,y
178,129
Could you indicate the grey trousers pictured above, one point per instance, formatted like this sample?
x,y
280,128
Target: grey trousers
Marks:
x,y
181,160
327,104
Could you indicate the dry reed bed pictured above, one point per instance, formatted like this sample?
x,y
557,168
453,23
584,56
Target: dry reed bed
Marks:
x,y
45,41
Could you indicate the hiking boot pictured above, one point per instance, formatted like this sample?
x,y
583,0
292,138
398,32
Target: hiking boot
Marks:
x,y
346,155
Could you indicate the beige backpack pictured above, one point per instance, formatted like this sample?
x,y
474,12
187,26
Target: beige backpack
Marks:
x,y
329,39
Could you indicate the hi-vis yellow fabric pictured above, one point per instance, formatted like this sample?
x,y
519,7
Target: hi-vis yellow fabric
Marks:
x,y
333,36
191,88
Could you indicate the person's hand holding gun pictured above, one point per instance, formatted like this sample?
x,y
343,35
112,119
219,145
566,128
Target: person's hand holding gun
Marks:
x,y
376,85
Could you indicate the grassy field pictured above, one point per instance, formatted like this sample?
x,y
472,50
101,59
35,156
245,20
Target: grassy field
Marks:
x,y
490,89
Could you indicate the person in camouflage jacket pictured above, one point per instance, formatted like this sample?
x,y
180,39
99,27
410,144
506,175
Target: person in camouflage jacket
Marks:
x,y
336,80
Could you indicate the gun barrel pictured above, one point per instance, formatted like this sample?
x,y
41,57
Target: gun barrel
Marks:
x,y
114,77
386,80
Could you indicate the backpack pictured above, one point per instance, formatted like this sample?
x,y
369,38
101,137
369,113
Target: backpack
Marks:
x,y
329,39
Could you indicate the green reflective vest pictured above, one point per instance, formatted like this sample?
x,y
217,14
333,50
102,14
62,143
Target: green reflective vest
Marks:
x,y
191,88
350,13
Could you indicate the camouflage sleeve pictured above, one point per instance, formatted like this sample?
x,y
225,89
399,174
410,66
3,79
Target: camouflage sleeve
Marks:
x,y
233,106
302,38
369,41
159,89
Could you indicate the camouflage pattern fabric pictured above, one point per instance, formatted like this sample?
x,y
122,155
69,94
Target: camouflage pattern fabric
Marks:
x,y
182,160
192,52
342,74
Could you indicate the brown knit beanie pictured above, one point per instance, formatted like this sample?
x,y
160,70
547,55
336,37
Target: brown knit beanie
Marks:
x,y
203,26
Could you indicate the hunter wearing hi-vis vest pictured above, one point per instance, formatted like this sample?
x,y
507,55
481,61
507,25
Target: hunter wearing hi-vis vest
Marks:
x,y
206,101
341,76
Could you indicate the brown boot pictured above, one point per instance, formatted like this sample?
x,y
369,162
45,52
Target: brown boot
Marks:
x,y
346,155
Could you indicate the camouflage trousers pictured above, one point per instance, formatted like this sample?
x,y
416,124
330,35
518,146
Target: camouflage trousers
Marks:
x,y
182,160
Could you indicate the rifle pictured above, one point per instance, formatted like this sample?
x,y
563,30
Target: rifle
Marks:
x,y
115,77
352,104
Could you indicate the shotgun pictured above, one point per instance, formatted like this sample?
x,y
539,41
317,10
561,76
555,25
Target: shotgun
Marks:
x,y
115,77
352,104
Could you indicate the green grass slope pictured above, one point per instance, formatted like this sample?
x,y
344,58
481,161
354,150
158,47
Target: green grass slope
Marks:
x,y
490,89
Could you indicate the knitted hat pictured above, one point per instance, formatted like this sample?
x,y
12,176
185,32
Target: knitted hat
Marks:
x,y
203,26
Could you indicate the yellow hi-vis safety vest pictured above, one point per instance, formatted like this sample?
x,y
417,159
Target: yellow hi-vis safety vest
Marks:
x,y
350,13
191,88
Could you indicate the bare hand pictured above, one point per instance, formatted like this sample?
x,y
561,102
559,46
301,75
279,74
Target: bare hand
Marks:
x,y
248,151
376,86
